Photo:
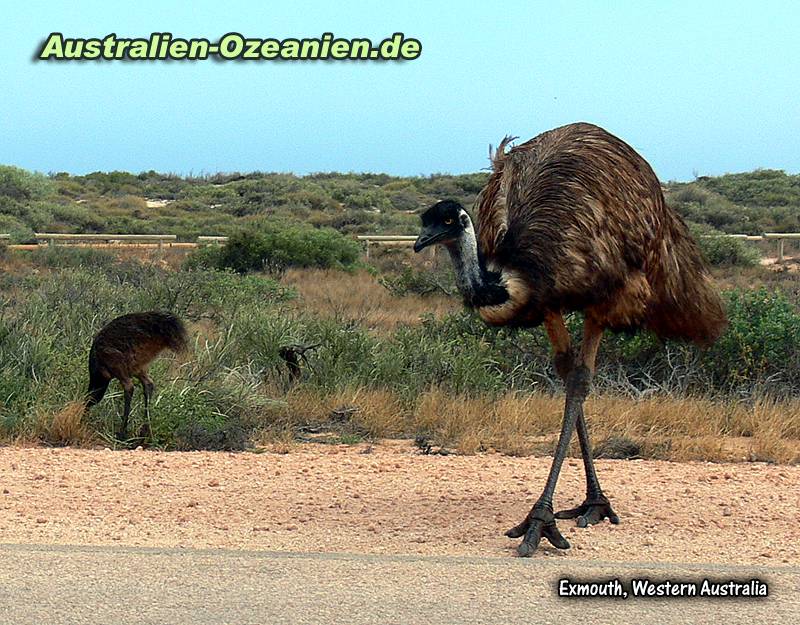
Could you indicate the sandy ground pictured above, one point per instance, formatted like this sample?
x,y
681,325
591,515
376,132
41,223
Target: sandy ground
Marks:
x,y
391,499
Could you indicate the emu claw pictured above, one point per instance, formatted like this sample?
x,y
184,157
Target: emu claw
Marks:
x,y
590,512
519,530
539,523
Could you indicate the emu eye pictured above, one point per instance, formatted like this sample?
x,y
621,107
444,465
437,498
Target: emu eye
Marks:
x,y
448,221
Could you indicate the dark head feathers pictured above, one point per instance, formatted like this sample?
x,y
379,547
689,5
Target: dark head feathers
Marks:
x,y
441,211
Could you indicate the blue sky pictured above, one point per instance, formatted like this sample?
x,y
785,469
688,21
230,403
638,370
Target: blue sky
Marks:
x,y
697,88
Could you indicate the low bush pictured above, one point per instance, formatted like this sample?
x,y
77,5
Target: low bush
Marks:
x,y
721,251
275,247
21,185
420,282
62,257
761,345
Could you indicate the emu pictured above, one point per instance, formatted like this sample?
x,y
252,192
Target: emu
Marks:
x,y
124,349
575,220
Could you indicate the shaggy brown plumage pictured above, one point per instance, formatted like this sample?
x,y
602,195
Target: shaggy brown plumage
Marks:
x,y
575,220
581,218
124,349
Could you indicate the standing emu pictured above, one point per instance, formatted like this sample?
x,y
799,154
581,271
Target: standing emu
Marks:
x,y
575,220
124,349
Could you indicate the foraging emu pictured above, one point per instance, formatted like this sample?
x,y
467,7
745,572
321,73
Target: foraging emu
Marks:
x,y
575,220
124,349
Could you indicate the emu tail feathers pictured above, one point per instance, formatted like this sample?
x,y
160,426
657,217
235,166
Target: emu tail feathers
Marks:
x,y
688,305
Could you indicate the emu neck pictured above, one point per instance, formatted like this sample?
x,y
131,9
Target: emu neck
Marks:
x,y
478,286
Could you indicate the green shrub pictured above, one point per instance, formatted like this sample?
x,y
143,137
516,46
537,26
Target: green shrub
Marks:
x,y
187,417
19,231
762,187
420,281
206,257
761,344
722,251
278,246
21,185
62,257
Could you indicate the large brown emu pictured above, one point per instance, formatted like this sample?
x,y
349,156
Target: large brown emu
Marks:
x,y
575,220
124,349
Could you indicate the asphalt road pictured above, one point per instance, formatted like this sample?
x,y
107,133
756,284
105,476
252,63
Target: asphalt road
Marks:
x,y
49,585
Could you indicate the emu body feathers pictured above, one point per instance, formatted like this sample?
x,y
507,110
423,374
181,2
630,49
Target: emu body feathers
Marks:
x,y
580,217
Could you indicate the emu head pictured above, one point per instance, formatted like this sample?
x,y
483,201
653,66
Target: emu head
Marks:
x,y
445,222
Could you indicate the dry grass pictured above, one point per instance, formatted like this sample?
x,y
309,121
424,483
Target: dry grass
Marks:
x,y
375,413
65,427
520,424
700,429
515,424
276,440
360,298
169,257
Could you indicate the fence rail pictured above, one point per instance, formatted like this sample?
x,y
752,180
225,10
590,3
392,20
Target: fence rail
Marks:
x,y
206,240
401,240
398,240
52,238
743,237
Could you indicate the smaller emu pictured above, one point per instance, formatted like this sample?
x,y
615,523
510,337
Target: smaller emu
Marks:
x,y
124,349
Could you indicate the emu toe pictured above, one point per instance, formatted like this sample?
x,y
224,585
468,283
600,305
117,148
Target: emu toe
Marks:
x,y
591,511
519,530
539,523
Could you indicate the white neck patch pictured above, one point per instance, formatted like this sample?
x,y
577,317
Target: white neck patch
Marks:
x,y
464,253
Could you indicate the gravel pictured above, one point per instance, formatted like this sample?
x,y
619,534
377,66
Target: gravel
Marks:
x,y
326,498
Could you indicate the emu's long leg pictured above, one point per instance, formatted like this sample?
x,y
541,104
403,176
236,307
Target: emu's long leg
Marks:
x,y
596,506
592,483
127,387
541,520
147,390
564,363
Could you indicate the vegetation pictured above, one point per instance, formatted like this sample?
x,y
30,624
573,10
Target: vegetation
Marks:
x,y
394,355
748,203
149,202
446,377
721,251
276,246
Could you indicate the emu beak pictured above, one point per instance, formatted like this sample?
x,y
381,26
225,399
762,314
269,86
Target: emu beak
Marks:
x,y
427,237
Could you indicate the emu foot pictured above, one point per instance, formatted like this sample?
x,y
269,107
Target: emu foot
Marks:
x,y
127,440
593,510
145,433
539,523
122,436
